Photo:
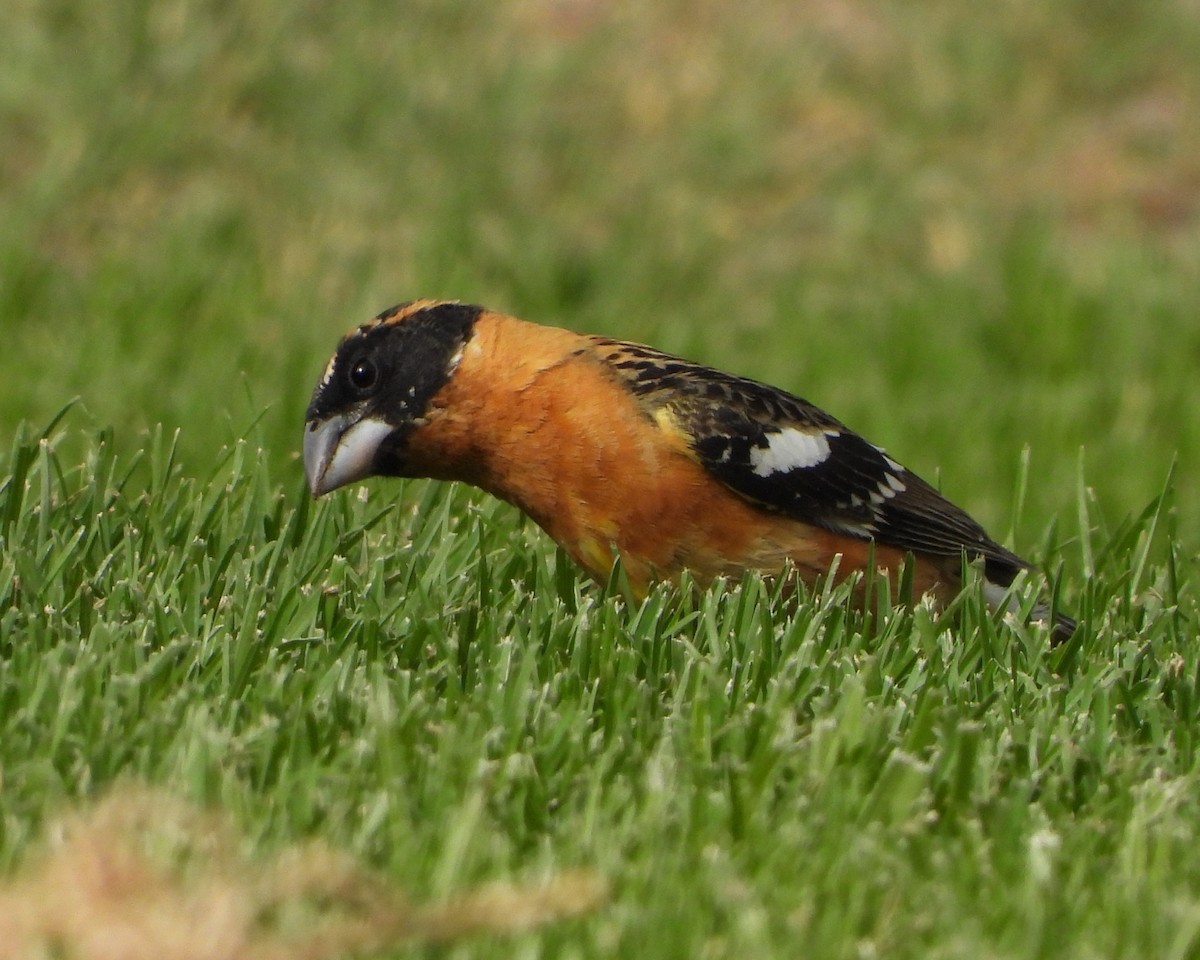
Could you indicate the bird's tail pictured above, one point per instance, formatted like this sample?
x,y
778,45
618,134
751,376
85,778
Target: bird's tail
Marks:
x,y
1062,627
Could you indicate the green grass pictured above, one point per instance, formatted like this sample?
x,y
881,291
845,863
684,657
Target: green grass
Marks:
x,y
436,692
977,246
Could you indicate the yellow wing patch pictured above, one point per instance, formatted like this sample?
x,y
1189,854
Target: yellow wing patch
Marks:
x,y
678,437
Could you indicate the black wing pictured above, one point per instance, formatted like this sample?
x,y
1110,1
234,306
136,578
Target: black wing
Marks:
x,y
789,456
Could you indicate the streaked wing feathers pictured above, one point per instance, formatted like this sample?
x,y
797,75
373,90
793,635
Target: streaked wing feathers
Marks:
x,y
790,456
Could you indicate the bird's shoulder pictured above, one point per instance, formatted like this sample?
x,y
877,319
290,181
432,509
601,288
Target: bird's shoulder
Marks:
x,y
711,397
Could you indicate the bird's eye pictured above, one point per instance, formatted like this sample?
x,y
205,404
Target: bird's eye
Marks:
x,y
363,374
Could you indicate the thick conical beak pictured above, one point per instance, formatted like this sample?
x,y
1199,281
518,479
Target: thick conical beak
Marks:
x,y
340,450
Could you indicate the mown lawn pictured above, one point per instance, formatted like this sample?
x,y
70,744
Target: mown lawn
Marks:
x,y
976,242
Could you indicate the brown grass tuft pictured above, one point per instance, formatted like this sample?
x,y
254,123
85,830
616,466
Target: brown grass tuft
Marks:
x,y
143,875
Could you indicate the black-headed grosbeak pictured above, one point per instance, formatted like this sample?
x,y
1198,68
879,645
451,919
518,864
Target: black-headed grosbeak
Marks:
x,y
618,449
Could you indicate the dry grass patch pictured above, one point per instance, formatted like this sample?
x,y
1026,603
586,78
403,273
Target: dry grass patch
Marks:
x,y
144,875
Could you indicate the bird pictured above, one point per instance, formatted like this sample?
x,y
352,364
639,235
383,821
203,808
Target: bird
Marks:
x,y
619,450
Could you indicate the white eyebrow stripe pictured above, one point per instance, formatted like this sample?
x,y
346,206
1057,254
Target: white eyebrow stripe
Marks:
x,y
790,449
328,374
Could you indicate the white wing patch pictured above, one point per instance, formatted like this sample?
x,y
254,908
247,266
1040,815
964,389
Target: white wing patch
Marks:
x,y
791,449
887,488
864,531
891,464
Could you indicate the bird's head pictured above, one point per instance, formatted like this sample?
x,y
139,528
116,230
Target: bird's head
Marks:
x,y
376,390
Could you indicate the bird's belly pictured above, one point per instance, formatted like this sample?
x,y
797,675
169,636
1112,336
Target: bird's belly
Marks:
x,y
682,520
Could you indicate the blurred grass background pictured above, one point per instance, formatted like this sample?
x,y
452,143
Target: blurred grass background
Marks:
x,y
962,233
